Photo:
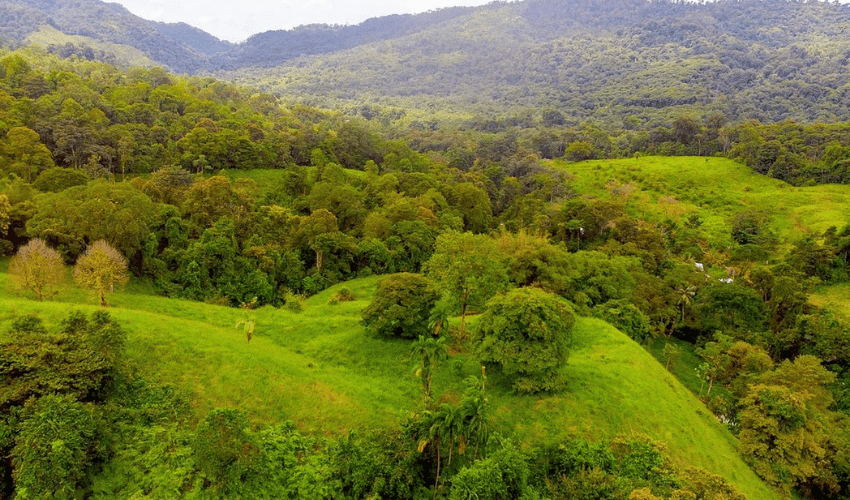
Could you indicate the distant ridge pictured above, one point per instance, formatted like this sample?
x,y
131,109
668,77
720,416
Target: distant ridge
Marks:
x,y
196,39
275,47
619,63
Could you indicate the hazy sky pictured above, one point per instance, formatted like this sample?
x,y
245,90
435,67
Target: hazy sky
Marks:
x,y
236,20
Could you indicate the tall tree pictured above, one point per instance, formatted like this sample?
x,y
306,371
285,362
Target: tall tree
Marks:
x,y
5,208
25,154
468,270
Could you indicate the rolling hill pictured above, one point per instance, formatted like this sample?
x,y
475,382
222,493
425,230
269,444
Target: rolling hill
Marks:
x,y
320,369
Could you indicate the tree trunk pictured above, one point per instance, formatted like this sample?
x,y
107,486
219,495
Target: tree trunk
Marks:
x,y
437,479
464,302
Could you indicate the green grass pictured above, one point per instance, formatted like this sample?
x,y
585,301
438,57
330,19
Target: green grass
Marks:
x,y
834,298
323,371
714,189
683,366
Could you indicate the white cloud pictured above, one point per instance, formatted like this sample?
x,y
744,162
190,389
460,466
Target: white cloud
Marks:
x,y
237,21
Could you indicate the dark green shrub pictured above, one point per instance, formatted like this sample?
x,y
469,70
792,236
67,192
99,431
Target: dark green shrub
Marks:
x,y
625,317
502,476
401,306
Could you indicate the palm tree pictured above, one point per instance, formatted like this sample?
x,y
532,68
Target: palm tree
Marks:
x,y
686,295
439,319
442,425
431,351
474,407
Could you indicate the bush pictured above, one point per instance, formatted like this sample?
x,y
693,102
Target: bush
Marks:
x,y
503,476
401,306
53,448
344,295
527,333
625,317
80,360
225,450
293,302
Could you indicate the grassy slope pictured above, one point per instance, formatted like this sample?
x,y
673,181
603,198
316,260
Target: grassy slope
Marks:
x,y
715,189
48,35
320,369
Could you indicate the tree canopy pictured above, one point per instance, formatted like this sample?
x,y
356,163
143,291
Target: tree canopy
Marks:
x,y
527,333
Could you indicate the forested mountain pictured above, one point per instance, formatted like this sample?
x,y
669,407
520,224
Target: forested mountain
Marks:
x,y
628,64
624,65
179,47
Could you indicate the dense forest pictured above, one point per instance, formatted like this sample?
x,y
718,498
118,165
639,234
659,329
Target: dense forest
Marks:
x,y
628,64
223,194
618,64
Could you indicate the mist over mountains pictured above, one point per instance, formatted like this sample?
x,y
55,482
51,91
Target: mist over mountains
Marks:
x,y
626,63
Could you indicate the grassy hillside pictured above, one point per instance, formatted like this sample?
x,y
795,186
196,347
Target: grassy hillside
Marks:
x,y
715,189
48,35
322,370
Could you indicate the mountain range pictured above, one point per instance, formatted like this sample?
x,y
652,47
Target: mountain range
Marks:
x,y
621,63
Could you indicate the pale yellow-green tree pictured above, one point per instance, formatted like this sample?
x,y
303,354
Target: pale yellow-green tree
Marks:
x,y
100,269
5,208
37,268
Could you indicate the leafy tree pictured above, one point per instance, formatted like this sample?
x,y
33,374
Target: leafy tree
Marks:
x,y
100,269
401,306
311,230
579,151
55,180
466,269
169,184
752,227
100,210
786,427
37,268
671,353
527,333
474,204
25,154
594,278
730,307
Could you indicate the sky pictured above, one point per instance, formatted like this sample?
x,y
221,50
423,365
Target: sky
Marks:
x,y
236,20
